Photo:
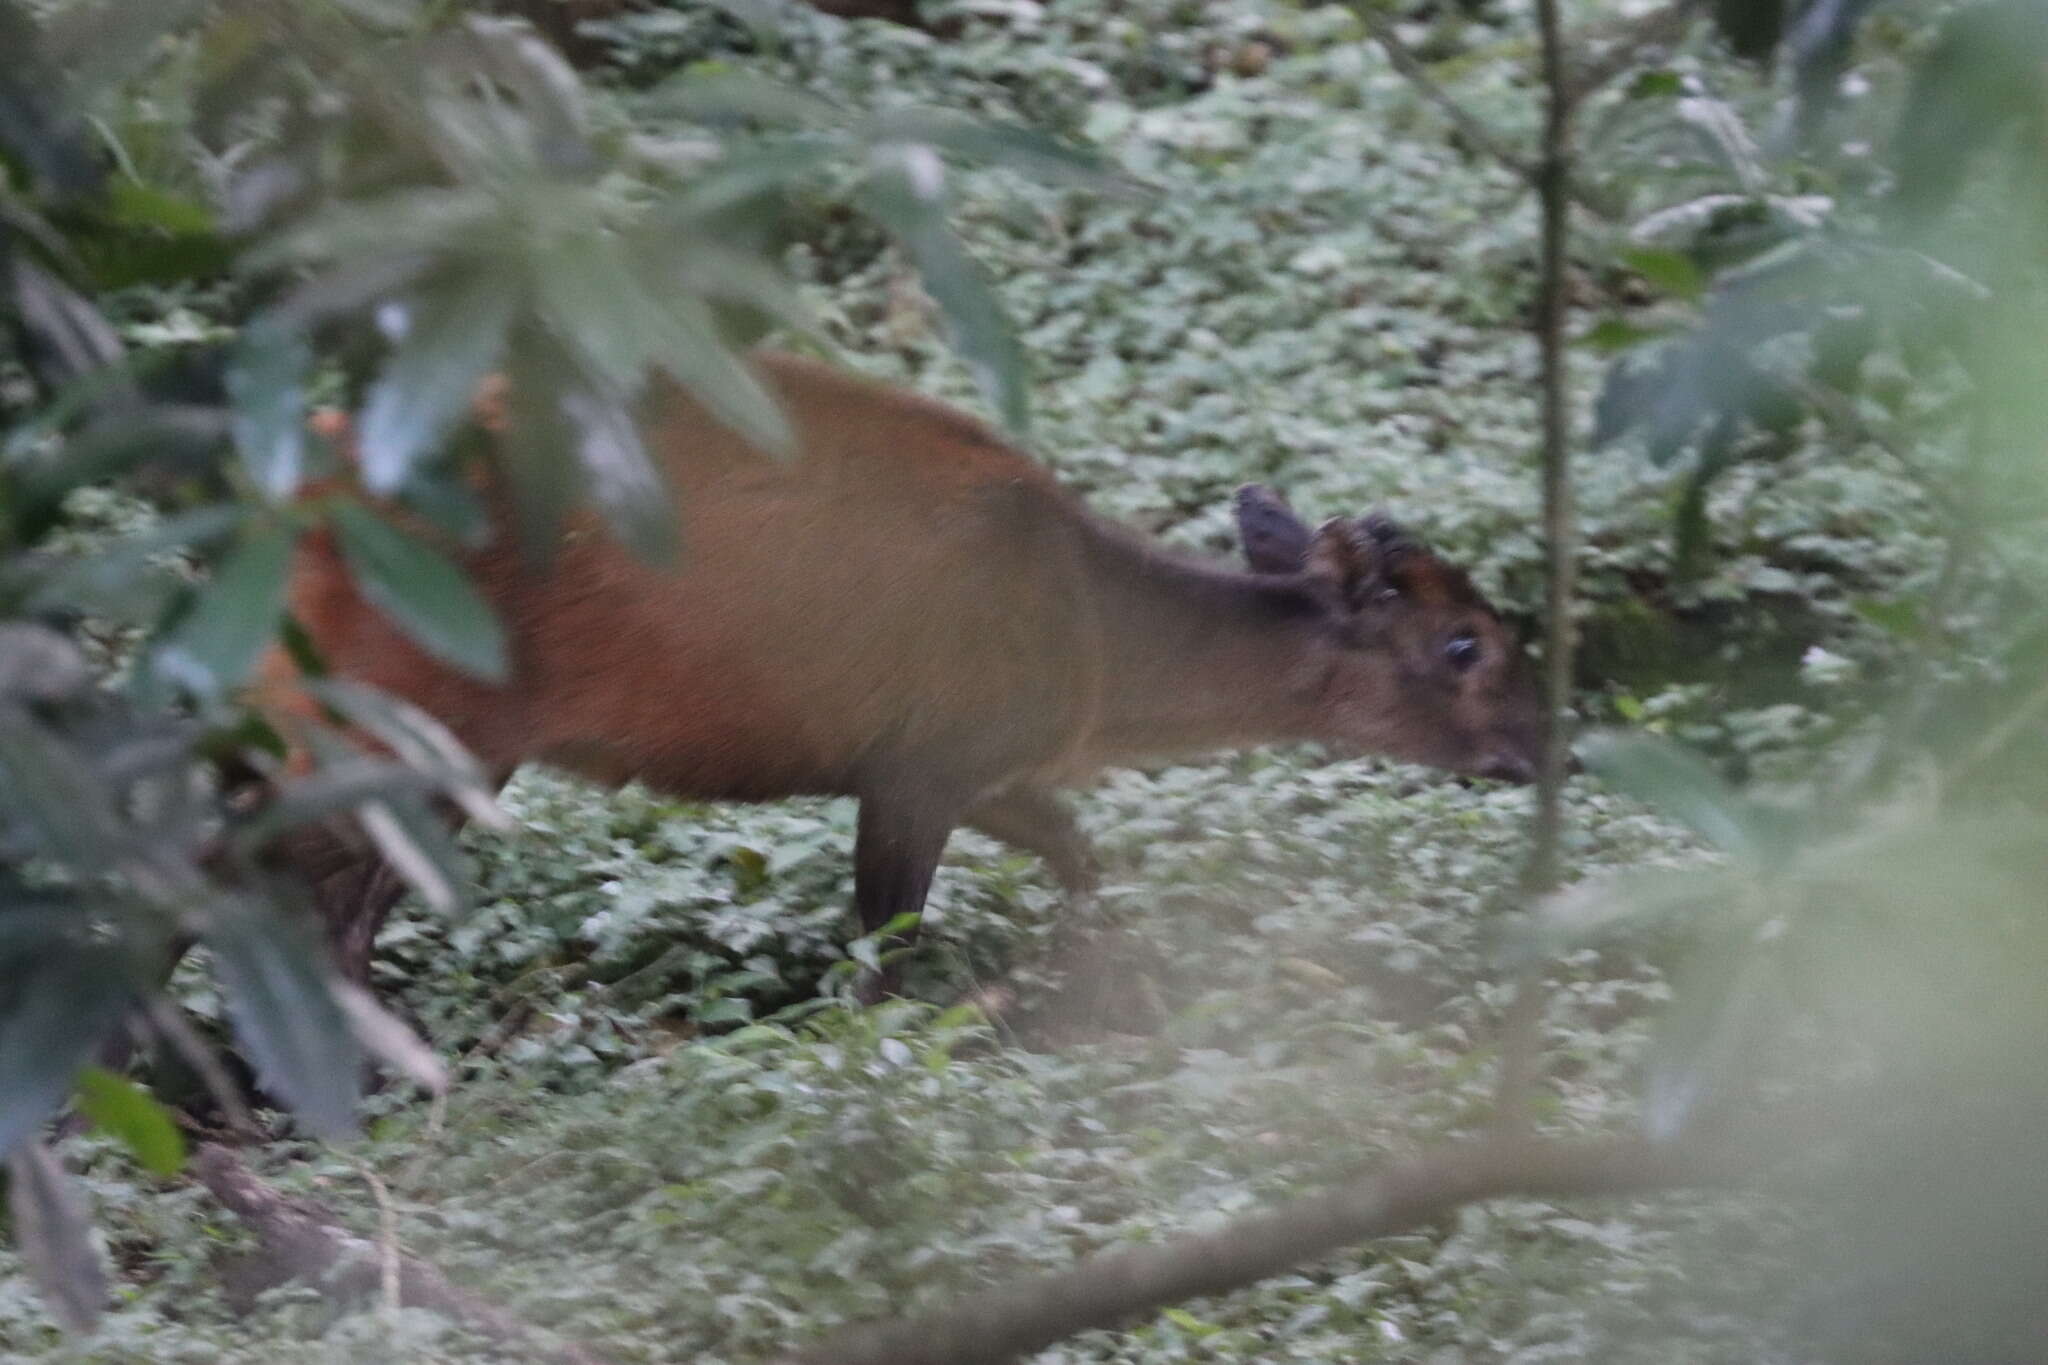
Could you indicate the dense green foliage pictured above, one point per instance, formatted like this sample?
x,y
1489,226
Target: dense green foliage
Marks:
x,y
664,1141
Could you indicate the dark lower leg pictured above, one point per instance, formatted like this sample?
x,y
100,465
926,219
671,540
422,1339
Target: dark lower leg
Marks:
x,y
897,845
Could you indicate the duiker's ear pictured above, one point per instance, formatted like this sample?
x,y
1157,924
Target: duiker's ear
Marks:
x,y
1274,538
1341,558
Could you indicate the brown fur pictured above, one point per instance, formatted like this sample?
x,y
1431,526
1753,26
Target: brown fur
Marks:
x,y
914,613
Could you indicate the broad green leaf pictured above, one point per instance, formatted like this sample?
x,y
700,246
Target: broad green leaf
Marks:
x,y
1674,272
387,1039
1982,75
1678,783
106,42
1012,146
37,120
266,383
131,1116
745,279
623,479
142,234
1897,617
417,843
165,435
907,196
38,664
732,96
50,788
419,740
104,582
1610,335
279,992
1718,1005
344,288
618,314
454,336
422,590
214,648
75,338
545,84
1625,900
746,173
415,220
340,784
537,453
60,998
49,1221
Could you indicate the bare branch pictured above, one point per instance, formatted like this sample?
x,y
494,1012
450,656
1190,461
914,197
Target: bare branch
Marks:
x,y
302,1240
1004,1323
1521,1043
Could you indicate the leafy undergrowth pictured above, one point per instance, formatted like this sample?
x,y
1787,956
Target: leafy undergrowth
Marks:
x,y
663,1144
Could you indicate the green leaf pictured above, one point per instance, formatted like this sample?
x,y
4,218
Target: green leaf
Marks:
x,y
1653,85
1612,335
1718,1003
1011,146
131,1116
423,591
37,122
1678,783
416,842
428,221
74,338
619,315
1627,900
455,335
546,85
537,453
343,783
279,993
624,481
732,96
266,382
419,740
213,649
48,1215
1674,272
168,436
747,173
60,998
51,789
906,198
106,582
1897,617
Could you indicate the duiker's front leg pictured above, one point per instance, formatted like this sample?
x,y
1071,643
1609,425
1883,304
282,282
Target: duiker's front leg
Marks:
x,y
898,840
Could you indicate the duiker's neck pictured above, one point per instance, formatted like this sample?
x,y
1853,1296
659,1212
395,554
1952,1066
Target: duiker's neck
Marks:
x,y
1198,657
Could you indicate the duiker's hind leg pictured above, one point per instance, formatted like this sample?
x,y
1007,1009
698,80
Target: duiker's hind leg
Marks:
x,y
1031,818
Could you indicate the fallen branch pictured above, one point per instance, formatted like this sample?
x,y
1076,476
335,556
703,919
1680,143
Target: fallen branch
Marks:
x,y
1004,1323
305,1241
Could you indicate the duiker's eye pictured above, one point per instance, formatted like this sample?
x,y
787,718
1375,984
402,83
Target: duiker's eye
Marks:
x,y
1462,650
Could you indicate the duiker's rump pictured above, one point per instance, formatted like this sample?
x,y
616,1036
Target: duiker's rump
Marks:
x,y
915,614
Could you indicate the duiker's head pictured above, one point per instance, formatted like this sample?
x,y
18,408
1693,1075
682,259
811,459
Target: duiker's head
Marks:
x,y
1420,666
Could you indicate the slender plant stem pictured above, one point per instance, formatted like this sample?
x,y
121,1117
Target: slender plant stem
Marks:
x,y
1522,1034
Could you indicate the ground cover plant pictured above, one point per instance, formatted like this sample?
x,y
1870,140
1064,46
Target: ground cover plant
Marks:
x,y
665,1143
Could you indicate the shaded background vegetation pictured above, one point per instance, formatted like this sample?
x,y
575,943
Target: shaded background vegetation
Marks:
x,y
1809,486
